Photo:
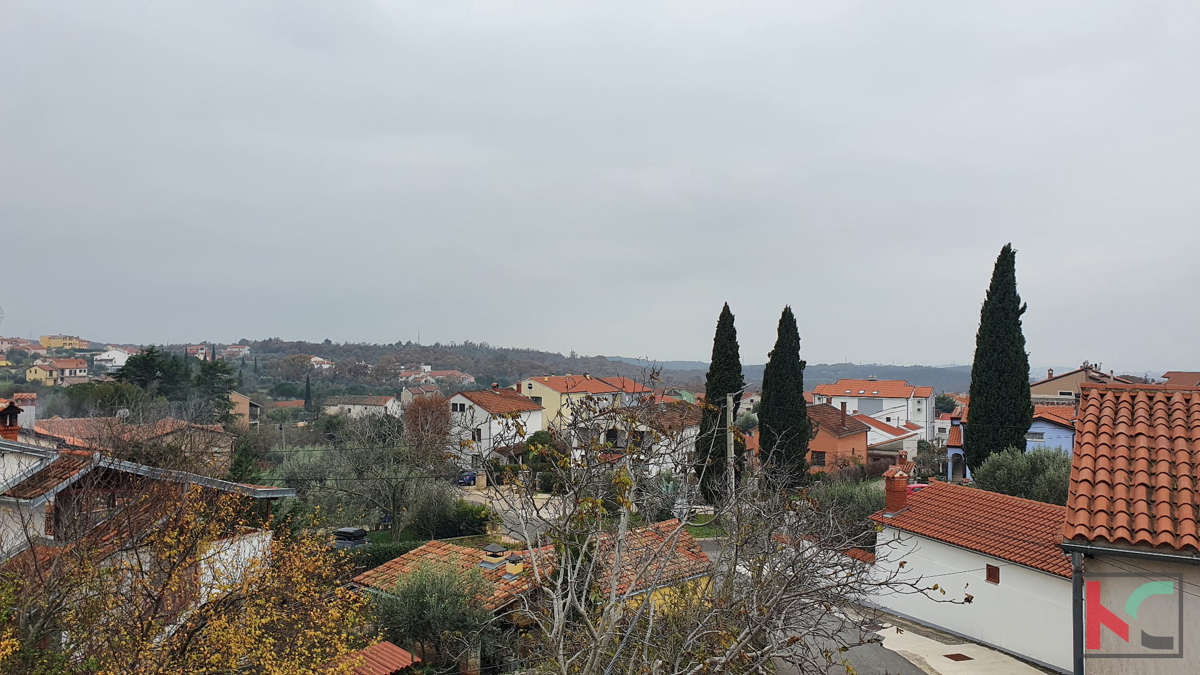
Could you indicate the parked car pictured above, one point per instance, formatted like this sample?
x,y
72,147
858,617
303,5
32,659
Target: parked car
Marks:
x,y
467,478
914,488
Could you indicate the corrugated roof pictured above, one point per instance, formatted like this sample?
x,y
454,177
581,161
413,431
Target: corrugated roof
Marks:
x,y
1009,528
1135,465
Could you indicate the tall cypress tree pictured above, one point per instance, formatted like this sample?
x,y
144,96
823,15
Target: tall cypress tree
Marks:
x,y
307,392
724,377
1001,410
783,415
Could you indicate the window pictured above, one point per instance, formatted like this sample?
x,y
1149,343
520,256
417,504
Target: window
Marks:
x,y
993,574
1035,436
818,459
477,435
1066,393
888,419
536,399
529,386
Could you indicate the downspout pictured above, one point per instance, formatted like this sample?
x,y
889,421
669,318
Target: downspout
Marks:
x,y
1077,610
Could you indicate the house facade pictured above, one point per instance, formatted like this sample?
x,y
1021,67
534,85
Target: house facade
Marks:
x,y
319,363
1001,551
410,394
1065,387
559,394
840,439
1053,427
233,352
893,402
111,360
64,342
363,406
198,351
57,372
483,421
246,411
1131,527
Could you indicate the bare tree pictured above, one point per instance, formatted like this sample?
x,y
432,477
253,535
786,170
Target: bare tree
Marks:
x,y
785,582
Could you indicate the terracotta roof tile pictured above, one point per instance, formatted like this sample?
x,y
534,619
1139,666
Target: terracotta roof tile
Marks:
x,y
955,438
1133,473
68,465
575,384
500,401
868,388
1059,414
880,426
828,418
1182,378
922,392
383,658
629,386
1010,528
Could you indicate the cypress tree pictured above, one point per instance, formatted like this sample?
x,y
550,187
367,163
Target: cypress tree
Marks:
x,y
724,377
1001,410
783,415
307,392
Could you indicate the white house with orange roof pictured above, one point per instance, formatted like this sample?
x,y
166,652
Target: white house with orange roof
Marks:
x,y
488,419
893,402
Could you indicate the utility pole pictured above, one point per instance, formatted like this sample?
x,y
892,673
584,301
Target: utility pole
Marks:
x,y
729,444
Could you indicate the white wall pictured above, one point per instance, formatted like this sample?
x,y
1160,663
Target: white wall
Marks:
x,y
1028,613
357,411
901,410
494,432
228,559
17,519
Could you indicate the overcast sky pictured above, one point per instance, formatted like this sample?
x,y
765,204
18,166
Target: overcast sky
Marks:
x,y
601,176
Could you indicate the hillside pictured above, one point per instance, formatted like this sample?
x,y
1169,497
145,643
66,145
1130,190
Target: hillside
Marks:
x,y
954,378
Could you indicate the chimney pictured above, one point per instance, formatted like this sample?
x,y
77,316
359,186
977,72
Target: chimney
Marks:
x,y
843,414
513,566
1049,373
9,426
902,456
895,491
493,556
872,378
587,376
495,386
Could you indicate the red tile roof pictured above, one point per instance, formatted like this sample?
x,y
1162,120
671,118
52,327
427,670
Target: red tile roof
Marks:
x,y
69,464
1058,414
1135,467
500,401
829,419
913,426
627,385
575,384
922,392
808,398
955,437
383,658
1182,378
438,552
868,388
1009,528
1092,373
880,426
299,403
97,431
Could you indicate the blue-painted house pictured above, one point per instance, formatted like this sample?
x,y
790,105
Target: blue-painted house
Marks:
x,y
1053,427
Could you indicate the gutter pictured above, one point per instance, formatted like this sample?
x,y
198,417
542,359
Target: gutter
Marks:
x,y
1093,550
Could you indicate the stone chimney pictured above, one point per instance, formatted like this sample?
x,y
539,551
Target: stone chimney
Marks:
x,y
513,566
10,427
495,386
1049,373
843,414
902,457
895,482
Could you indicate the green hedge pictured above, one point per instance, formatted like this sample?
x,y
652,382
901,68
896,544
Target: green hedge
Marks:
x,y
374,555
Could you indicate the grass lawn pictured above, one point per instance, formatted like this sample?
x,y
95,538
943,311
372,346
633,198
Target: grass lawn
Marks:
x,y
705,528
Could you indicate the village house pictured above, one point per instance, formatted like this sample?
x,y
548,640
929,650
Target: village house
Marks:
x,y
1053,427
207,442
363,406
27,402
1133,511
112,359
234,352
57,372
660,436
246,411
839,439
893,402
410,394
198,351
886,440
64,342
486,420
1065,387
1001,551
558,394
28,346
43,485
319,363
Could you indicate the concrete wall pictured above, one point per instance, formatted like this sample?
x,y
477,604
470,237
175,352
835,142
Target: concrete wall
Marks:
x,y
1028,613
1159,615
